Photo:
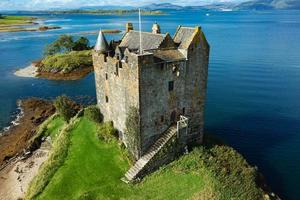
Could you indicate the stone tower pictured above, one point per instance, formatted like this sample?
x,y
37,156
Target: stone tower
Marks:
x,y
165,85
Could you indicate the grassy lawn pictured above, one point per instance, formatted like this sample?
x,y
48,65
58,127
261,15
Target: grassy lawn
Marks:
x,y
92,169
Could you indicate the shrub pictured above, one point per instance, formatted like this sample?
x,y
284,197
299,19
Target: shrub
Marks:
x,y
107,132
93,113
65,107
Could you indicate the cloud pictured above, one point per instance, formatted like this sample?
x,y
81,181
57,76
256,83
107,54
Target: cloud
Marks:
x,y
47,4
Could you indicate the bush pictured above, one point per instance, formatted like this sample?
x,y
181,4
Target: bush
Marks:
x,y
107,132
93,113
65,107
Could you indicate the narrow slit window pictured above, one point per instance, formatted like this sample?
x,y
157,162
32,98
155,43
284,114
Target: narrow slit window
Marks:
x,y
162,119
106,99
106,76
171,85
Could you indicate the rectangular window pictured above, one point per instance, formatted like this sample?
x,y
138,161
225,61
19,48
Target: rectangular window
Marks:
x,y
106,76
162,66
171,85
162,119
106,99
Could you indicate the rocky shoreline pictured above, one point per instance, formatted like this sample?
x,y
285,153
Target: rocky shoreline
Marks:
x,y
15,140
32,71
74,75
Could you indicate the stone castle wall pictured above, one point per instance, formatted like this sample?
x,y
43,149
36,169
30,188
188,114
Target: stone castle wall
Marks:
x,y
195,86
117,87
157,102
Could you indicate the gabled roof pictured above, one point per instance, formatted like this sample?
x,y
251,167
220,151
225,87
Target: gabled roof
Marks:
x,y
183,36
101,44
131,40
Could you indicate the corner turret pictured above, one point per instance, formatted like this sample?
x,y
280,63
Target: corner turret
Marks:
x,y
101,44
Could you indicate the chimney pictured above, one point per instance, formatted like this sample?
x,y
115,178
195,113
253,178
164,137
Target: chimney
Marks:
x,y
156,28
129,27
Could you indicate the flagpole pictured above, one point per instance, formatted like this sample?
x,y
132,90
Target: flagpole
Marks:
x,y
140,27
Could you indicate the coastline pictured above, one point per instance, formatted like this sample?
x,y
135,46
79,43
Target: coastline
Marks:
x,y
31,71
16,139
22,24
17,175
71,76
28,72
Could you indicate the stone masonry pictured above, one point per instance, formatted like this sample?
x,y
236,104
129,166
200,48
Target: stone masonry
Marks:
x,y
164,80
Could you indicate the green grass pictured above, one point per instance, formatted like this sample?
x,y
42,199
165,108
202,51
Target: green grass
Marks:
x,y
12,20
66,62
92,169
54,127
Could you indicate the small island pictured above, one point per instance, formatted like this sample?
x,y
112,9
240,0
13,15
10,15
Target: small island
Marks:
x,y
64,59
20,23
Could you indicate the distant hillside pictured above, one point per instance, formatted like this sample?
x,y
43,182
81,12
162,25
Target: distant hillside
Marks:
x,y
162,6
109,7
269,5
249,5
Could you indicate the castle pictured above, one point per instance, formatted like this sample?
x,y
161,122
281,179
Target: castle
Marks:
x,y
160,81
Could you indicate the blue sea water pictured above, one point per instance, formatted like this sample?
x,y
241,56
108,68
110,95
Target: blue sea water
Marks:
x,y
254,80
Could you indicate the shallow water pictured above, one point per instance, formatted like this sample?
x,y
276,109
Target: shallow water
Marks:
x,y
253,89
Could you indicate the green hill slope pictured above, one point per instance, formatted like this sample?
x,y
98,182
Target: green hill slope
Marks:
x,y
92,169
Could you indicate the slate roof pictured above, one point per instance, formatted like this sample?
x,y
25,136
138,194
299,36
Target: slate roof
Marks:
x,y
169,55
101,44
131,40
183,36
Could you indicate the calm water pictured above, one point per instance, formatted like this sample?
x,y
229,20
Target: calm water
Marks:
x,y
253,90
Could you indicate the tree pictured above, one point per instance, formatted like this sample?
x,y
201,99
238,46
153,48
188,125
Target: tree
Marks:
x,y
65,107
81,44
63,44
66,42
52,49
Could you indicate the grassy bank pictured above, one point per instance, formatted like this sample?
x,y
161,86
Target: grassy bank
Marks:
x,y
15,20
66,62
92,169
56,158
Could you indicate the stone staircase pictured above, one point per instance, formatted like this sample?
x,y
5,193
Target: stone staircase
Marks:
x,y
133,172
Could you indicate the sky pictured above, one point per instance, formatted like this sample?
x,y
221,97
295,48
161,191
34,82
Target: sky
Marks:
x,y
48,4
